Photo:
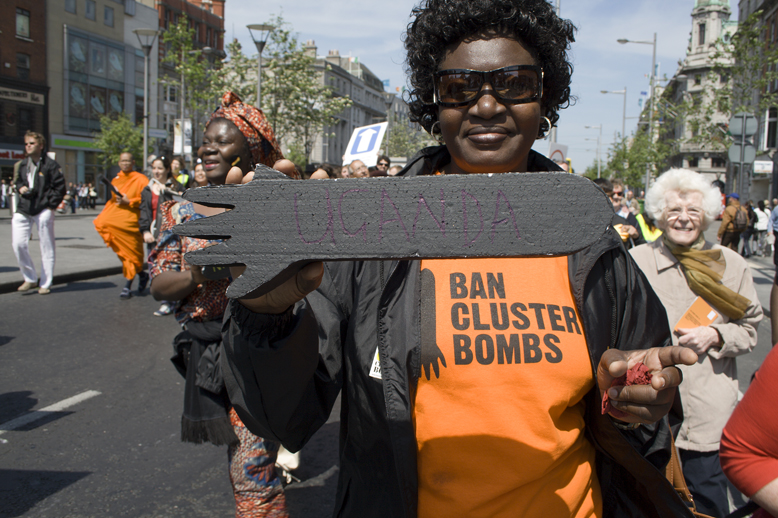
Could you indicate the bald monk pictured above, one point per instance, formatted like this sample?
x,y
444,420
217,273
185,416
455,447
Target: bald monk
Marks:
x,y
117,224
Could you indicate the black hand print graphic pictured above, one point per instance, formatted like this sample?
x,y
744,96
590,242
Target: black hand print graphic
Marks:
x,y
430,352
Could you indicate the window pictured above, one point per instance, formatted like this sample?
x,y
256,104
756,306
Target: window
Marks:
x,y
701,34
22,23
693,162
724,78
25,119
95,70
138,110
108,16
171,94
698,79
70,6
718,162
91,10
23,66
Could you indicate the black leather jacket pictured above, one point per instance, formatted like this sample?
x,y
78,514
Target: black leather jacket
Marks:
x,y
48,188
283,374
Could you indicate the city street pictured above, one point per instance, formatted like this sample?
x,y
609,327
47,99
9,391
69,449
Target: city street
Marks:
x,y
90,405
118,452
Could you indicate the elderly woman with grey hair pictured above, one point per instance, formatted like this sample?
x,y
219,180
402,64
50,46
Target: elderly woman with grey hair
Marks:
x,y
713,308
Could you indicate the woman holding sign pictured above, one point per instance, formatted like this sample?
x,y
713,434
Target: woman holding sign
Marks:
x,y
237,137
472,387
713,308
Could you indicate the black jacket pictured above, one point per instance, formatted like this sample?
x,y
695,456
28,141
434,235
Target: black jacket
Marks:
x,y
283,373
48,187
146,209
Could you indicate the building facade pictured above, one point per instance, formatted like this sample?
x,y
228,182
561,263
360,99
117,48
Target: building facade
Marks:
x,y
370,103
95,67
206,18
24,94
765,184
694,82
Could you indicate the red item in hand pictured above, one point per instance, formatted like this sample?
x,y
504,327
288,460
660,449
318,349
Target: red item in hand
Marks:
x,y
637,375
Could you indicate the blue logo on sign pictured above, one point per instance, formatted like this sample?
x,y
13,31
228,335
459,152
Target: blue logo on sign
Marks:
x,y
365,140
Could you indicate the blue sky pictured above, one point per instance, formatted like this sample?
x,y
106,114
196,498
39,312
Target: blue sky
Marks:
x,y
374,34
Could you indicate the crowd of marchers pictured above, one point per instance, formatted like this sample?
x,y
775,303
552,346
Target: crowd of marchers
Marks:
x,y
631,398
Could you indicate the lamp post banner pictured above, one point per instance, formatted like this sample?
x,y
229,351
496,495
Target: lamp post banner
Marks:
x,y
187,136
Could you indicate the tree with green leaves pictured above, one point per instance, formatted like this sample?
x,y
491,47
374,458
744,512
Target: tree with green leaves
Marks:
x,y
294,97
202,88
628,158
404,140
118,135
238,74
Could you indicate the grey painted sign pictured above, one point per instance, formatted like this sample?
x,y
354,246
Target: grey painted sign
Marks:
x,y
277,225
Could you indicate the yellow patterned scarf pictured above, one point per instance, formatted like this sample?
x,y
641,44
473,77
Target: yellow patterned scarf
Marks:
x,y
703,270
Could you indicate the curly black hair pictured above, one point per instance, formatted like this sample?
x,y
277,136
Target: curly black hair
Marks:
x,y
439,23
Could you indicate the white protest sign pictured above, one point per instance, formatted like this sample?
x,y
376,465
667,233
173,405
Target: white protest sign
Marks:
x,y
365,144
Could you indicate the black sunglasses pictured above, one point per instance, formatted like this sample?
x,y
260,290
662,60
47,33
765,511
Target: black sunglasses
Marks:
x,y
383,163
515,85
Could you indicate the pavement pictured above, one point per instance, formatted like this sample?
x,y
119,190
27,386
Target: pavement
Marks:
x,y
81,253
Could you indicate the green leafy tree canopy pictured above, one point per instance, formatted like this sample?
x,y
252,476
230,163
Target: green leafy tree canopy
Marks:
x,y
118,135
402,140
294,97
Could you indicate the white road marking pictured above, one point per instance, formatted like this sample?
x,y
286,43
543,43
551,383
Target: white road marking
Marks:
x,y
35,415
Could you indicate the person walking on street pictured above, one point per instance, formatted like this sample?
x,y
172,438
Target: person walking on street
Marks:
x,y
760,228
117,224
426,430
734,221
72,197
161,188
180,173
235,131
92,196
41,188
4,190
745,236
685,269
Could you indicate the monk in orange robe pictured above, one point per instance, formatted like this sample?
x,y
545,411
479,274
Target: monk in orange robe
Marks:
x,y
117,224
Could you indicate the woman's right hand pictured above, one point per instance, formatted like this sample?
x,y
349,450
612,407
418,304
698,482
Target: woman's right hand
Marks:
x,y
148,237
294,289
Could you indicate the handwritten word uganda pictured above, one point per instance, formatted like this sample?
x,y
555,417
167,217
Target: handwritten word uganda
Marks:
x,y
277,225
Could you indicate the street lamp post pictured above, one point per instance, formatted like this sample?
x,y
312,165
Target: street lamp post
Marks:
x,y
146,38
599,138
263,33
651,108
624,113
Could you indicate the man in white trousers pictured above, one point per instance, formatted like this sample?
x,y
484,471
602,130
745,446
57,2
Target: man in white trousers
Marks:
x,y
41,187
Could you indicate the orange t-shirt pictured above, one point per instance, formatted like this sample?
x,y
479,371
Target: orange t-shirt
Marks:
x,y
500,428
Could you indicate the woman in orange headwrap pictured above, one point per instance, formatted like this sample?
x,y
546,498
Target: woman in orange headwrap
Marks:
x,y
117,224
236,138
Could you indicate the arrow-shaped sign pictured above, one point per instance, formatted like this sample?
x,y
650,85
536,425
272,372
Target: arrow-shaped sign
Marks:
x,y
277,225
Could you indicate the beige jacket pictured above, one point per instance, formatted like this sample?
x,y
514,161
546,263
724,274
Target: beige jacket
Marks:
x,y
709,391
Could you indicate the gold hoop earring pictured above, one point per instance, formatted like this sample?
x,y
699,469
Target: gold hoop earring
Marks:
x,y
437,135
545,127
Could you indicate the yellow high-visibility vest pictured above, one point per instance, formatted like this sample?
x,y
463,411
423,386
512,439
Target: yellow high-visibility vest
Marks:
x,y
648,235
